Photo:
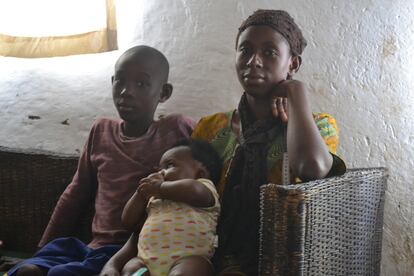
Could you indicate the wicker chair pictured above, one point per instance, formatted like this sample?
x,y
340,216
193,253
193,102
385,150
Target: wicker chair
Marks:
x,y
31,182
325,227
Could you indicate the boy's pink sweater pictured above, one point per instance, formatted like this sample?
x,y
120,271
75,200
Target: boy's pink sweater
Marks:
x,y
108,173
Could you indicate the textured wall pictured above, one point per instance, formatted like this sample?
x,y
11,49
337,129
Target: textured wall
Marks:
x,y
359,66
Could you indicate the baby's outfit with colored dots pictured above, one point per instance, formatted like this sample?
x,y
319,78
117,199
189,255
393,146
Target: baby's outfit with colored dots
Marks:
x,y
174,230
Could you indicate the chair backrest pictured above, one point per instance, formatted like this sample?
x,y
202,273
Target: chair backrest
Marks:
x,y
331,226
31,182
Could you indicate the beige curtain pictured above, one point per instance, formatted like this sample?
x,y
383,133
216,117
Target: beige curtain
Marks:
x,y
96,41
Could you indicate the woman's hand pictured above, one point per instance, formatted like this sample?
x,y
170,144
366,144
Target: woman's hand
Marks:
x,y
280,95
279,108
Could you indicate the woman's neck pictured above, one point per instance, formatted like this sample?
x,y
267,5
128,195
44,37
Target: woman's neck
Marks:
x,y
260,107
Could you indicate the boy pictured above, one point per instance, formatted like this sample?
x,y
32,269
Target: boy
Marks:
x,y
178,207
116,156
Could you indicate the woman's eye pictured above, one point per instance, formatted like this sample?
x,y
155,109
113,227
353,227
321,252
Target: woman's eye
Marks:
x,y
140,83
270,52
170,165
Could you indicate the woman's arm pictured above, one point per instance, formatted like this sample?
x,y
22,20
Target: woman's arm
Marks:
x,y
114,266
309,156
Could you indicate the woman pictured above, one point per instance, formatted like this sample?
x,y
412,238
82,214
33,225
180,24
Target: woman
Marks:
x,y
273,117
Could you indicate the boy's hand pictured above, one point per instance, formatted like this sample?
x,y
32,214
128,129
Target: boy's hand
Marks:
x,y
150,185
279,97
109,271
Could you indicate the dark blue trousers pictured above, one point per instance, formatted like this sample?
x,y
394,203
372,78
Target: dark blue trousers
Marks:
x,y
69,256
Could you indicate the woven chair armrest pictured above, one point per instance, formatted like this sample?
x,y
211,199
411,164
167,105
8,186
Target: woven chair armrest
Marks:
x,y
330,226
354,175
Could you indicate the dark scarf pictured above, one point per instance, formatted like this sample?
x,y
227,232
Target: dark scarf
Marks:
x,y
238,227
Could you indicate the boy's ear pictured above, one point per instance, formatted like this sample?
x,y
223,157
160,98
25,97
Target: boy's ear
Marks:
x,y
295,65
166,92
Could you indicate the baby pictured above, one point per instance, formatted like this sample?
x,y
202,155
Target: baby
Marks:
x,y
178,208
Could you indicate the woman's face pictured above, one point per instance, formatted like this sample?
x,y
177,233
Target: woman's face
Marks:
x,y
263,60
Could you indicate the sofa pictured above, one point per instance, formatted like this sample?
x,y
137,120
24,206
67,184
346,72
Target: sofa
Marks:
x,y
31,182
326,227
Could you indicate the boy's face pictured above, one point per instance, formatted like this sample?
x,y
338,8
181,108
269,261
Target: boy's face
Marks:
x,y
178,163
136,88
263,59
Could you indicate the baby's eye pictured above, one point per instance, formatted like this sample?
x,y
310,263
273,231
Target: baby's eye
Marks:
x,y
139,83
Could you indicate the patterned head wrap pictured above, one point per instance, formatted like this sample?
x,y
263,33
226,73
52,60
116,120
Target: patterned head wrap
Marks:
x,y
281,22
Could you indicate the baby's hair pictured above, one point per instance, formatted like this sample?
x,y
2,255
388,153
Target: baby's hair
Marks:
x,y
141,52
204,153
281,22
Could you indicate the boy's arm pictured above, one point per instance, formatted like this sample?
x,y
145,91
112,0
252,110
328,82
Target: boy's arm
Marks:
x,y
117,262
134,212
74,200
188,191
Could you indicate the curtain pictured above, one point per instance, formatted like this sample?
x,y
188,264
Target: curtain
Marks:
x,y
48,28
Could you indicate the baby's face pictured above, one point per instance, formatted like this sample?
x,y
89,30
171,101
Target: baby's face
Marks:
x,y
177,163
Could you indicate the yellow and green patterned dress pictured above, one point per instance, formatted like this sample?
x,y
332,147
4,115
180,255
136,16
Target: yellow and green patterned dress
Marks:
x,y
216,129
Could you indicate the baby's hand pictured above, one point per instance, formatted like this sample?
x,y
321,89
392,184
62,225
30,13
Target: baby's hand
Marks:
x,y
157,176
279,97
150,185
150,189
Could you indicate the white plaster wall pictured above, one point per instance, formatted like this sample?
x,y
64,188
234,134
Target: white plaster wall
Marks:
x,y
359,65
